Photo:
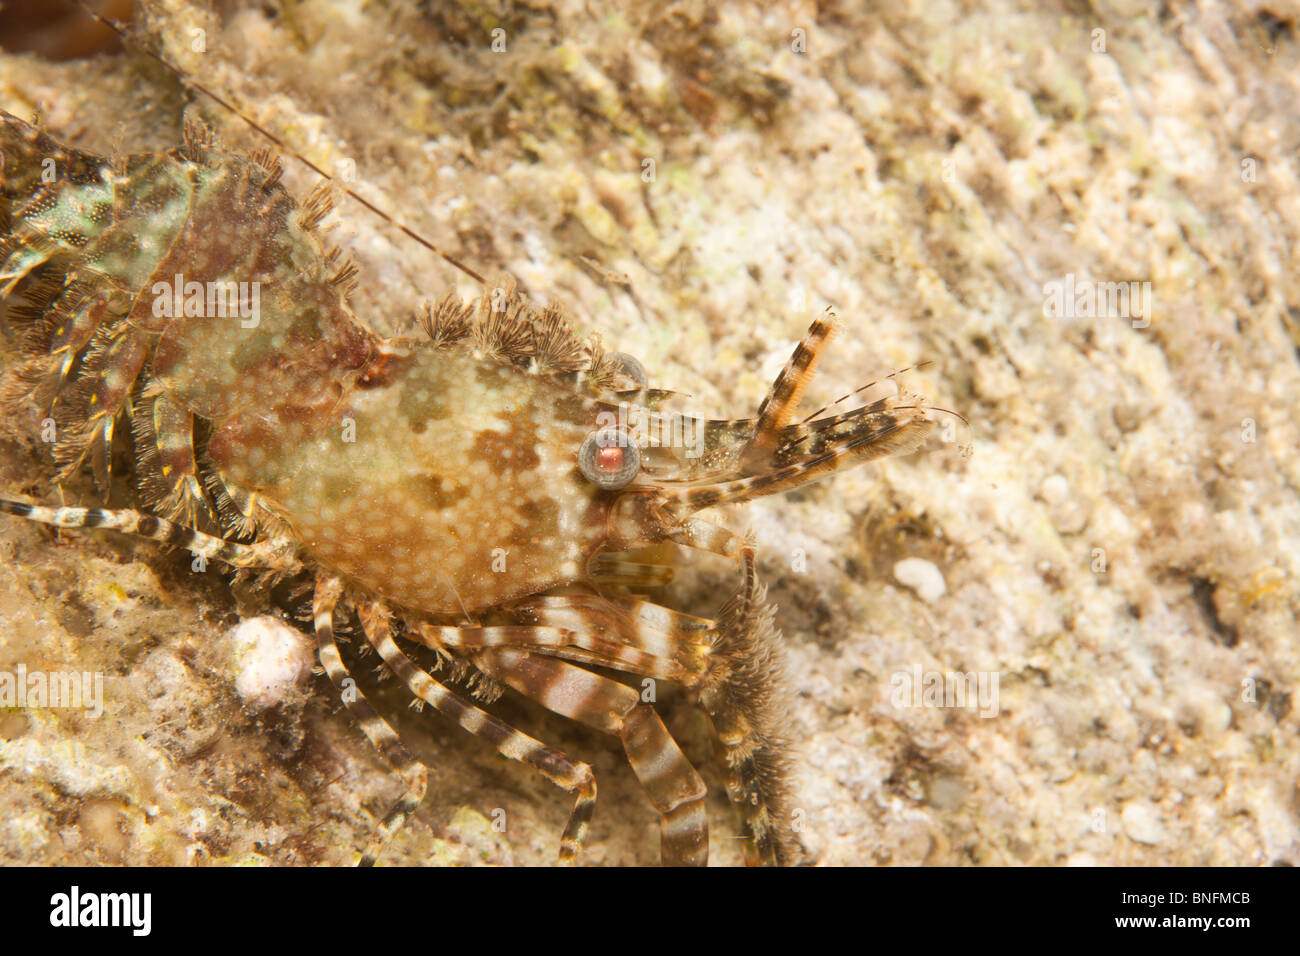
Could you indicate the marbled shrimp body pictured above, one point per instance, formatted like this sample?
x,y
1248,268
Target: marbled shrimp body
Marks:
x,y
466,478
444,482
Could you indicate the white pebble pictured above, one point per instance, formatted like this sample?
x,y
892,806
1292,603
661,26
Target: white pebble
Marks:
x,y
272,660
922,577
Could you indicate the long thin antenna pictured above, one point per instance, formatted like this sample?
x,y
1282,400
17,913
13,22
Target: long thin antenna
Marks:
x,y
124,34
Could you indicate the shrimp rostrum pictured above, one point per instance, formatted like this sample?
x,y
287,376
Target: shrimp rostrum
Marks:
x,y
475,495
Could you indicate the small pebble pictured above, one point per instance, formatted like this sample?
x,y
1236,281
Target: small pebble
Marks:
x,y
272,659
922,577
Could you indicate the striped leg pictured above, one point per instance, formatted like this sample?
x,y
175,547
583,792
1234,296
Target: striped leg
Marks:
x,y
552,641
735,665
235,507
380,733
679,644
778,407
613,631
560,769
57,323
704,535
88,415
167,467
672,784
272,555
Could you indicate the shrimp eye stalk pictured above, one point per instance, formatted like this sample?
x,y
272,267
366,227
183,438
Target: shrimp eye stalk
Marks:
x,y
609,459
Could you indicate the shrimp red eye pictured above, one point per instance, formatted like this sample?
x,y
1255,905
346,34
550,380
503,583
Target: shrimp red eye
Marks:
x,y
609,459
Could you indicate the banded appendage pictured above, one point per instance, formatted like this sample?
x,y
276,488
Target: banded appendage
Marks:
x,y
733,664
772,453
